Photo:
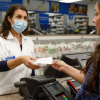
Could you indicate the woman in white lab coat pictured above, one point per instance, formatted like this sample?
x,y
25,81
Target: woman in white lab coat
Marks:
x,y
16,50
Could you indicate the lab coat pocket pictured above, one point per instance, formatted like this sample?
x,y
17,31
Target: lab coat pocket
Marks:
x,y
5,89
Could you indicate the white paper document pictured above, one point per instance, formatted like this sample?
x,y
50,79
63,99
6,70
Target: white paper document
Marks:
x,y
44,60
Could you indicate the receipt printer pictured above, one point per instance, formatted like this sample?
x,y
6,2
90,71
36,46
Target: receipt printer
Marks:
x,y
42,88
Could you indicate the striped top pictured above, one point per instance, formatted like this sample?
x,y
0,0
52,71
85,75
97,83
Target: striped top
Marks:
x,y
81,95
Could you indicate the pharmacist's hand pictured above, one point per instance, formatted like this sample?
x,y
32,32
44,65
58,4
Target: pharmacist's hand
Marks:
x,y
27,61
58,65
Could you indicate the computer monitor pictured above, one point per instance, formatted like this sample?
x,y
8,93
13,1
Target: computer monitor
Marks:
x,y
70,59
49,71
82,61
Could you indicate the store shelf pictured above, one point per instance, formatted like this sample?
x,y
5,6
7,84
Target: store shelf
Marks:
x,y
60,29
81,22
59,25
83,29
53,30
81,25
56,21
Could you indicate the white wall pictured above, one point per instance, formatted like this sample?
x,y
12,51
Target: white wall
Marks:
x,y
91,13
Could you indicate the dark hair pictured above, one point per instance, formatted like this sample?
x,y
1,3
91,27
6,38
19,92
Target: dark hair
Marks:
x,y
28,1
6,25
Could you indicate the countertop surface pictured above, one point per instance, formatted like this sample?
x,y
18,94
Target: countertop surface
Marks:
x,y
11,97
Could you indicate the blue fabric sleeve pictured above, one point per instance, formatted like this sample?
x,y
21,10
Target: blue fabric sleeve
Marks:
x,y
4,66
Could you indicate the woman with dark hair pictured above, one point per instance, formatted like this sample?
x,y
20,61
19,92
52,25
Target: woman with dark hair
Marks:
x,y
89,77
16,50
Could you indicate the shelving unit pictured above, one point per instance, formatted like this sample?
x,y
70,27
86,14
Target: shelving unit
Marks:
x,y
32,24
32,19
57,24
81,23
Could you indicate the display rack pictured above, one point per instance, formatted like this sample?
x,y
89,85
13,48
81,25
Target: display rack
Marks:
x,y
32,24
57,24
81,23
32,19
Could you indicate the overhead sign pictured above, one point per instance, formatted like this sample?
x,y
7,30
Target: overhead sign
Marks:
x,y
36,5
5,4
43,18
70,16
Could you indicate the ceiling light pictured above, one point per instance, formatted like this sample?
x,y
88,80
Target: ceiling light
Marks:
x,y
69,1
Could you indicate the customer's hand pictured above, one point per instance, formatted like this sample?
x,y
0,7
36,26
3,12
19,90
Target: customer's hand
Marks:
x,y
58,65
27,61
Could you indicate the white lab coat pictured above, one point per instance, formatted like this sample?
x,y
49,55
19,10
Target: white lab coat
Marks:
x,y
10,47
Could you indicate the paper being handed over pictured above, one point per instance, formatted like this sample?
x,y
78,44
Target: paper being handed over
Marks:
x,y
44,60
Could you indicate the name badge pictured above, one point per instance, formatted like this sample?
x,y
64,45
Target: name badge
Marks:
x,y
8,58
32,54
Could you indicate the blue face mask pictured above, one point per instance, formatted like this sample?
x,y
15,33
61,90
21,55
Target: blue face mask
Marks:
x,y
19,26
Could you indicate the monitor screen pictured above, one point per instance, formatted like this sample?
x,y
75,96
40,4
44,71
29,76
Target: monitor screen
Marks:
x,y
82,61
68,58
49,71
53,88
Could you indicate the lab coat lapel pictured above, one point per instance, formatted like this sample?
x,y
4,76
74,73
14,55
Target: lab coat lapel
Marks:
x,y
24,49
